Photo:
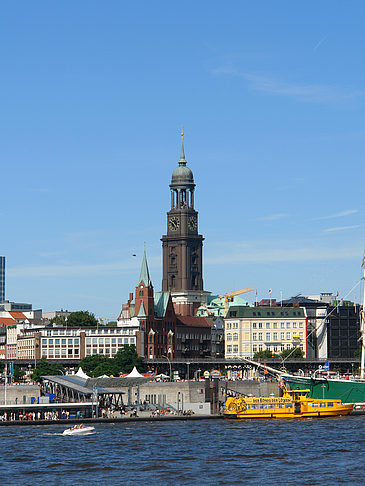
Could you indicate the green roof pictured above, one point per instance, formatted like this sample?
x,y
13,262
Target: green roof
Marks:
x,y
142,311
216,306
161,300
144,275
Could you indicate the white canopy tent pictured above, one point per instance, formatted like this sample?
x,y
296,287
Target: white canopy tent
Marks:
x,y
134,374
80,373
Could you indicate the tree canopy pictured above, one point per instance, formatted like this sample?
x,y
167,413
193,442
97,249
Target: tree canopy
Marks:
x,y
18,373
123,362
58,320
294,353
81,319
111,323
44,367
264,354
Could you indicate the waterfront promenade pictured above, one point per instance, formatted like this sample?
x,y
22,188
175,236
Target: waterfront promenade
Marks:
x,y
142,417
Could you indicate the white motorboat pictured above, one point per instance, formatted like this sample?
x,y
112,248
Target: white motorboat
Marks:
x,y
79,430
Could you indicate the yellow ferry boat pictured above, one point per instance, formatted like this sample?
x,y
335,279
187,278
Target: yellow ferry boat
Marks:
x,y
294,403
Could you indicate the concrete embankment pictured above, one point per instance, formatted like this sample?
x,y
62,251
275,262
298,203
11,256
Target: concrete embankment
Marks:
x,y
161,418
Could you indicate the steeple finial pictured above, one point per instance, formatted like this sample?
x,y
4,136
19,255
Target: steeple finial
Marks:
x,y
144,275
182,160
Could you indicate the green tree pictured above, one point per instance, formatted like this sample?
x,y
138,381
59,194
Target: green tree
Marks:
x,y
18,373
293,353
58,320
90,363
127,358
108,368
111,323
44,368
265,354
81,319
123,362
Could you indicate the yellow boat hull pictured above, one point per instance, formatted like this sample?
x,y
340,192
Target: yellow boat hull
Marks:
x,y
294,404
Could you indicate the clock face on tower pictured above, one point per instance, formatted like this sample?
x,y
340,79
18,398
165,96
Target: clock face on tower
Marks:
x,y
174,223
192,223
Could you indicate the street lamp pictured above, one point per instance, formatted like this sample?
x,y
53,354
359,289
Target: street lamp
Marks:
x,y
188,365
168,359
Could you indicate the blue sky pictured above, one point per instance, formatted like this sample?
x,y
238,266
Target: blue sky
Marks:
x,y
93,95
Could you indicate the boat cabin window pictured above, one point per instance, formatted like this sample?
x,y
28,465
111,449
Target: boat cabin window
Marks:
x,y
288,405
330,404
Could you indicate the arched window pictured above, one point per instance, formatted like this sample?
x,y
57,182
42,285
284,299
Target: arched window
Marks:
x,y
229,336
235,337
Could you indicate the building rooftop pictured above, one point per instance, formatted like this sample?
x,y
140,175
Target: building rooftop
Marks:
x,y
193,321
266,312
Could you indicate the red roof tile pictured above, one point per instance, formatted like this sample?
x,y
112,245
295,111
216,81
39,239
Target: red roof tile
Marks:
x,y
193,321
7,321
17,315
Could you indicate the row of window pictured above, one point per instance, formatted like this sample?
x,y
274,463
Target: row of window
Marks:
x,y
62,332
275,325
193,336
106,351
269,325
282,313
190,347
260,347
107,341
104,331
258,336
56,353
63,342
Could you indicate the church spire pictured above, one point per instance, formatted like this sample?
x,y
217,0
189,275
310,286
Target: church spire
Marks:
x,y
144,275
182,160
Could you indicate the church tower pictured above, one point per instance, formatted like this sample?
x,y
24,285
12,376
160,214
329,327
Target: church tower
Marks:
x,y
182,246
144,301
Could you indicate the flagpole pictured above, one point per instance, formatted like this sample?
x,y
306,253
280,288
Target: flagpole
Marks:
x,y
362,326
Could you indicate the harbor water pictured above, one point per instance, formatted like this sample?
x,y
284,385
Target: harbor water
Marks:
x,y
306,452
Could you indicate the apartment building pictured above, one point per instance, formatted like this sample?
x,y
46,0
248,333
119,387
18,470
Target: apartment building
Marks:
x,y
252,329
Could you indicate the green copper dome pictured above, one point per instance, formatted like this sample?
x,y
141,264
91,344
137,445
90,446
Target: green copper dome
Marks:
x,y
182,175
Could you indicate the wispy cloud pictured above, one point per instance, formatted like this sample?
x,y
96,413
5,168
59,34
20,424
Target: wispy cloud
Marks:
x,y
274,217
315,93
341,228
255,254
341,214
81,270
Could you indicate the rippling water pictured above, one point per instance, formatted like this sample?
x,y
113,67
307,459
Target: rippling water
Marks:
x,y
305,452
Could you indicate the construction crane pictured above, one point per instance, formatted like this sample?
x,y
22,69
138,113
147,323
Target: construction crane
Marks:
x,y
106,319
228,297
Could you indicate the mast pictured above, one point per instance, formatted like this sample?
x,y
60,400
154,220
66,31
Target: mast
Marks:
x,y
362,325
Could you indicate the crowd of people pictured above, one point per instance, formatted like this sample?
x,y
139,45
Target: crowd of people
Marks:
x,y
29,416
